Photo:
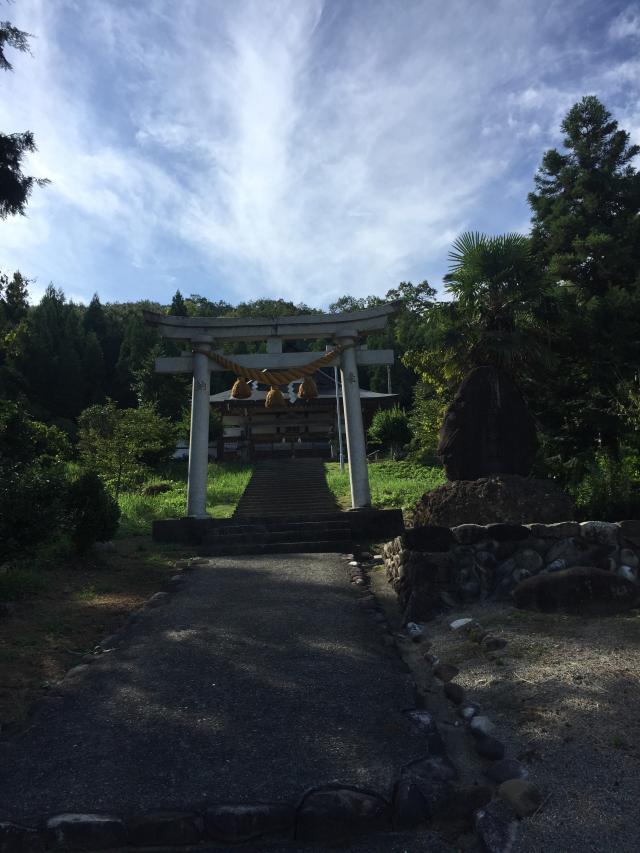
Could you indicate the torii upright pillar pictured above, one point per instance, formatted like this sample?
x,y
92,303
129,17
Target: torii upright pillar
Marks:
x,y
356,443
199,433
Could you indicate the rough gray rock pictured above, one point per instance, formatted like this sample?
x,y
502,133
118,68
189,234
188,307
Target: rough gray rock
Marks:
x,y
582,589
235,823
504,498
487,429
85,832
496,827
507,768
165,829
489,747
15,838
335,814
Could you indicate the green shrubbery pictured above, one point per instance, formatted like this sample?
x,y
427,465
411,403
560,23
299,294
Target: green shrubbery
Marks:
x,y
41,500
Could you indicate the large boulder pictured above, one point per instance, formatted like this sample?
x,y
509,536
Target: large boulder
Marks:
x,y
583,589
487,429
489,500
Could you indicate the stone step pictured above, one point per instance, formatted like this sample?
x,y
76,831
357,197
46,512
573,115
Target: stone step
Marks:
x,y
331,546
294,528
278,536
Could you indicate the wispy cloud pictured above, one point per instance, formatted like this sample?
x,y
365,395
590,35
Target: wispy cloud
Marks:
x,y
626,24
298,149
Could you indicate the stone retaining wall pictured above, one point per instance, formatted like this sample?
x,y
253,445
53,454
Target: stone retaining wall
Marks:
x,y
433,568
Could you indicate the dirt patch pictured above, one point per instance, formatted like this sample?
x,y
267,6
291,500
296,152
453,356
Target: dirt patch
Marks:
x,y
47,634
564,694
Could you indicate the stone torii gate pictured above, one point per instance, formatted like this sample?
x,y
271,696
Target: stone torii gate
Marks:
x,y
204,333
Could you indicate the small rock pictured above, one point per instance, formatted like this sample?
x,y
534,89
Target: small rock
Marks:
x,y
410,808
19,839
85,832
581,589
508,532
446,671
246,821
521,795
470,590
628,573
462,802
521,575
629,558
469,534
496,827
600,532
423,720
468,710
353,563
378,558
165,829
529,560
333,814
489,747
459,624
492,644
415,631
481,725
156,600
508,768
454,692
556,566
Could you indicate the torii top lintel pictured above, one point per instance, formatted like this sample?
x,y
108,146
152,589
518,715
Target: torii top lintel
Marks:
x,y
300,327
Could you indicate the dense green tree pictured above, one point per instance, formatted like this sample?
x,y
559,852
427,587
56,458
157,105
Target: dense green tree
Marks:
x,y
15,186
586,206
586,237
178,307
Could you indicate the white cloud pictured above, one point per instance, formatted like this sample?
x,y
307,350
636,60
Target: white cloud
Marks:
x,y
626,24
299,149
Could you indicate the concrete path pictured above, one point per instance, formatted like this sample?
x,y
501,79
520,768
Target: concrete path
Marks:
x,y
258,678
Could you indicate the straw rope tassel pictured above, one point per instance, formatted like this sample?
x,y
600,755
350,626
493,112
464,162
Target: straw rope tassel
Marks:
x,y
307,390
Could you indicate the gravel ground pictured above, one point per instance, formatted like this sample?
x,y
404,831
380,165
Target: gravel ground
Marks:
x,y
565,695
258,678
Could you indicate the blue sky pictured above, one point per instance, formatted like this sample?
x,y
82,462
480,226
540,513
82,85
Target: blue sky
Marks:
x,y
291,148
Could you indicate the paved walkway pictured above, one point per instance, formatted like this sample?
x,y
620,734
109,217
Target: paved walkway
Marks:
x,y
259,678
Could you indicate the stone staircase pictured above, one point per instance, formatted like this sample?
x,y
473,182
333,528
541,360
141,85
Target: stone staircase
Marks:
x,y
286,508
286,487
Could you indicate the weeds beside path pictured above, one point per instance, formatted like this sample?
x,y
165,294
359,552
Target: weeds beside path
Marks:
x,y
393,484
165,495
77,604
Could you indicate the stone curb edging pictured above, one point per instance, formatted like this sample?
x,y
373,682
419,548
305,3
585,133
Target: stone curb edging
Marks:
x,y
495,810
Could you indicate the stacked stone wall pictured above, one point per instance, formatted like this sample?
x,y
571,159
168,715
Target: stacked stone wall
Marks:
x,y
434,568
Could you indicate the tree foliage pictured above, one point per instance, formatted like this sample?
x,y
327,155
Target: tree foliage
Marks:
x,y
15,186
122,445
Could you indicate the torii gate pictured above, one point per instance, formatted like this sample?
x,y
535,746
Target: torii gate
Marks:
x,y
203,333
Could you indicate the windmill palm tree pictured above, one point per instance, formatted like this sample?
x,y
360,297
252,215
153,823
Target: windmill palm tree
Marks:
x,y
492,327
498,313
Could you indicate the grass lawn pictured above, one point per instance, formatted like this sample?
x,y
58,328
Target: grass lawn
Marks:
x,y
46,627
227,482
393,484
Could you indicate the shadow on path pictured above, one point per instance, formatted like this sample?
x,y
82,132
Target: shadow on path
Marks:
x,y
259,678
